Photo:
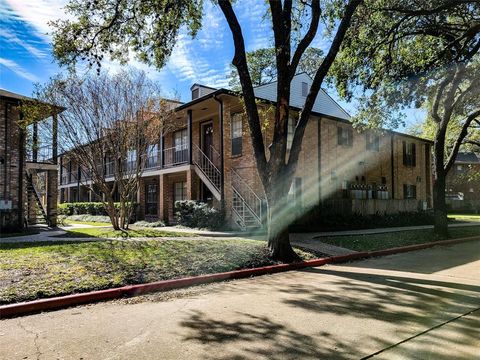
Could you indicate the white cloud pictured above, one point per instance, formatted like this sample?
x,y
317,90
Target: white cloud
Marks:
x,y
13,38
17,69
38,13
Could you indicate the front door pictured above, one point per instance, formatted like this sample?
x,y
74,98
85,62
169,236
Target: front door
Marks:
x,y
207,139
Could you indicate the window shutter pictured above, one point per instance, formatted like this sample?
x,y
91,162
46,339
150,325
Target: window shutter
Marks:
x,y
350,137
405,191
414,155
339,136
404,143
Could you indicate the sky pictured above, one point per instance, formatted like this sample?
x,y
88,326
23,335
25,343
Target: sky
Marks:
x,y
26,59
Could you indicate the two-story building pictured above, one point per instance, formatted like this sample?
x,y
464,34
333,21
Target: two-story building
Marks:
x,y
463,183
28,169
210,158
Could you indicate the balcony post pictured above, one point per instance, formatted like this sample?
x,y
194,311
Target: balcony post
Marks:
x,y
35,142
54,138
162,146
189,131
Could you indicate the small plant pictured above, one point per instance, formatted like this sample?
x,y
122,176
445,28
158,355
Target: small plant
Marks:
x,y
198,215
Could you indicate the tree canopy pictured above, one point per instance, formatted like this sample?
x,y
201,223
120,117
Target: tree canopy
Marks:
x,y
262,66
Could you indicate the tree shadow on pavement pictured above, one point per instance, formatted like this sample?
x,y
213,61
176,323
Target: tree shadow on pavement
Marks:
x,y
259,337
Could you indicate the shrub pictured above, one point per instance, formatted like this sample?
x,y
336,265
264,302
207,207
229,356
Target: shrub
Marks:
x,y
80,208
316,220
198,215
144,223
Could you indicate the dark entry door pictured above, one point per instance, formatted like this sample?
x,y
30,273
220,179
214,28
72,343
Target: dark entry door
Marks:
x,y
207,140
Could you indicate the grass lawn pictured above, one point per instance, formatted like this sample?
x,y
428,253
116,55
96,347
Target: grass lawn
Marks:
x,y
19,233
395,239
93,223
30,271
104,232
465,217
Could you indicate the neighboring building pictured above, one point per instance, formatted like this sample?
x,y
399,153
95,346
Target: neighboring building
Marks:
x,y
210,158
28,170
463,182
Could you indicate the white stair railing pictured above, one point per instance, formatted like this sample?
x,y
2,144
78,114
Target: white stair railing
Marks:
x,y
207,167
246,203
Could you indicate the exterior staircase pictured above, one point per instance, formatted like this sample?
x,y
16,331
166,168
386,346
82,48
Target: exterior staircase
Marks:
x,y
33,199
207,171
248,207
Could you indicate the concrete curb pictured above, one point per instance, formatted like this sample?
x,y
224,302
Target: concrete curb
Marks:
x,y
28,307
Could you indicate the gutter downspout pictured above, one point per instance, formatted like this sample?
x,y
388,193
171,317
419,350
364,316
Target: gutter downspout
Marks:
x,y
392,157
5,157
222,165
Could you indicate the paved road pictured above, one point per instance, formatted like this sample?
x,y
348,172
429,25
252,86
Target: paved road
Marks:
x,y
418,305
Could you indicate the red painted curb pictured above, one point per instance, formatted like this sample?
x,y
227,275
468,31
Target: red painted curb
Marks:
x,y
23,308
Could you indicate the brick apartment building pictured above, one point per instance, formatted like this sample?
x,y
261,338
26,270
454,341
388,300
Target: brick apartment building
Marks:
x,y
210,158
28,169
463,182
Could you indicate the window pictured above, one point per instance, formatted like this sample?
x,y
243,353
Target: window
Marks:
x,y
151,199
345,136
459,168
237,134
409,191
304,89
180,142
152,156
373,142
131,159
290,130
295,192
409,154
179,191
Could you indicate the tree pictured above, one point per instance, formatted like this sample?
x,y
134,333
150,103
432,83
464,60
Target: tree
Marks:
x,y
262,67
106,129
149,28
428,57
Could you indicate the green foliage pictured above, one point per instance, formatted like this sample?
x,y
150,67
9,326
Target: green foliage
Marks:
x,y
98,29
196,214
262,66
80,208
318,220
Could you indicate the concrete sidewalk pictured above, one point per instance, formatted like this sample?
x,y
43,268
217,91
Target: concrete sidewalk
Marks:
x,y
418,305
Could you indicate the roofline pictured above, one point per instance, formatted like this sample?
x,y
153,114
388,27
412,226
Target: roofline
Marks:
x,y
205,86
314,113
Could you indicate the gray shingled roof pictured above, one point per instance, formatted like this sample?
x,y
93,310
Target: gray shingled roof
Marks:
x,y
468,157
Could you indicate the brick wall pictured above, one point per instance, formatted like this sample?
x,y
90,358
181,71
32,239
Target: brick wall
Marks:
x,y
11,168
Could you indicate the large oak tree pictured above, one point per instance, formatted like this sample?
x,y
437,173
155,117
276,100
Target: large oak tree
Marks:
x,y
148,28
428,58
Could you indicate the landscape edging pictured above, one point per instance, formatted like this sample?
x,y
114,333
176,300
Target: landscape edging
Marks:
x,y
23,308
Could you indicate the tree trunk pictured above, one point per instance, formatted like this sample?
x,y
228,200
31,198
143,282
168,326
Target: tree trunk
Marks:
x,y
112,213
440,206
279,217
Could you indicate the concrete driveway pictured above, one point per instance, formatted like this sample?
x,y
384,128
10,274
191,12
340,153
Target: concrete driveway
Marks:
x,y
418,305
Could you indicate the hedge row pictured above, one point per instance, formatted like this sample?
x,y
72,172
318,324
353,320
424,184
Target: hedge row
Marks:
x,y
80,208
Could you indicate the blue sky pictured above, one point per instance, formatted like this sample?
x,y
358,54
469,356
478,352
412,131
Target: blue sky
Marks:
x,y
25,49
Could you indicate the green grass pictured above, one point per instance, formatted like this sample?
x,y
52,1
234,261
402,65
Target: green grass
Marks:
x,y
389,240
92,223
30,271
465,217
104,232
19,233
